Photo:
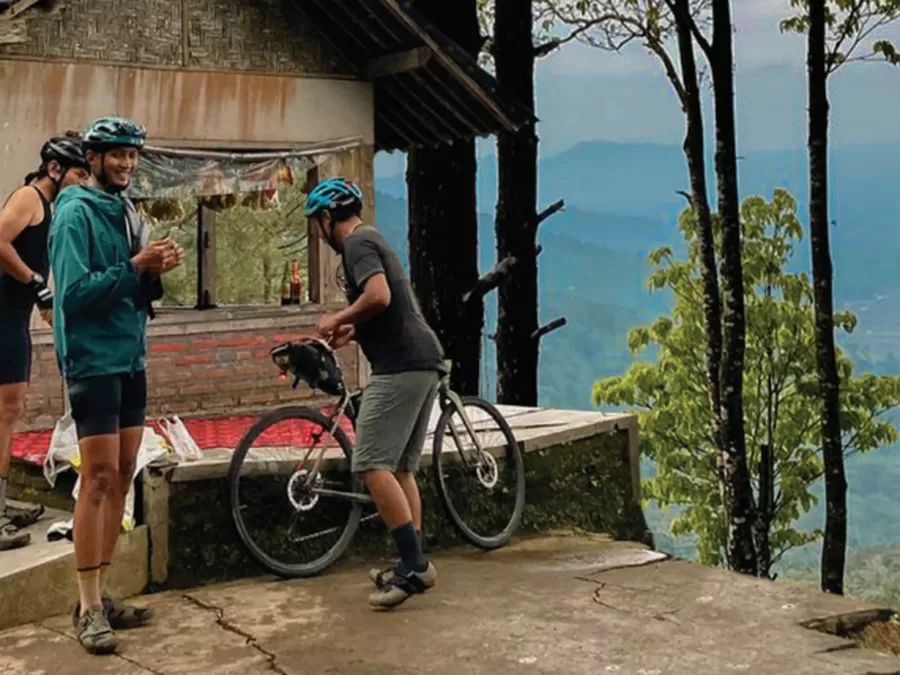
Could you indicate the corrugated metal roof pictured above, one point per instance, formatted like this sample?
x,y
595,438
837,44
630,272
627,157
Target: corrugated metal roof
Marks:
x,y
444,97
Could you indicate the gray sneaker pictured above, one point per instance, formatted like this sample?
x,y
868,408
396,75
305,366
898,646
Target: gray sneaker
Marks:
x,y
94,632
124,617
399,588
11,537
382,577
25,517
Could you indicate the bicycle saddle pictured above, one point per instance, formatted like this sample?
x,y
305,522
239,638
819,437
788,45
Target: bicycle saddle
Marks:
x,y
313,361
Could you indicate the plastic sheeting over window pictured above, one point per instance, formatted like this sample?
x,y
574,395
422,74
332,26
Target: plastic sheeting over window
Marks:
x,y
169,173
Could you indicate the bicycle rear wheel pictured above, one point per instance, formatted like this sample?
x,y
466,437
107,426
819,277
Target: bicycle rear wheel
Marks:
x,y
483,492
287,527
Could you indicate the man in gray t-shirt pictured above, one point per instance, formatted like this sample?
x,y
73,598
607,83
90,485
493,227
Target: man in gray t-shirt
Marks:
x,y
406,357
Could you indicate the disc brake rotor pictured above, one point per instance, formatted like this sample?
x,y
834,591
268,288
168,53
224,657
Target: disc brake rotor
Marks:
x,y
488,471
300,490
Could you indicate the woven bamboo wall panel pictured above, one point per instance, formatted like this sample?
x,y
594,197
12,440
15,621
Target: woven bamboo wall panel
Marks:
x,y
140,32
262,35
259,35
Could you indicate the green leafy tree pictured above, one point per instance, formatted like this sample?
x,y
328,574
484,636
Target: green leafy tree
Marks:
x,y
780,397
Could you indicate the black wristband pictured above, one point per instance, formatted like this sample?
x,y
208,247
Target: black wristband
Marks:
x,y
43,293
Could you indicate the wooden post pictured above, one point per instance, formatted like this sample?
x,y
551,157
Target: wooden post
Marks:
x,y
206,258
324,263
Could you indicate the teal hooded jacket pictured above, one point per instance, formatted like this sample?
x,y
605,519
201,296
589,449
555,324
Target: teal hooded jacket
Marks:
x,y
99,312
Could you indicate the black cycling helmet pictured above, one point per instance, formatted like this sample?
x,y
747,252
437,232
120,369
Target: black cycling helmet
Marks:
x,y
66,151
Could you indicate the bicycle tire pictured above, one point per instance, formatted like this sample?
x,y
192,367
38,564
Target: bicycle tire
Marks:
x,y
287,570
513,453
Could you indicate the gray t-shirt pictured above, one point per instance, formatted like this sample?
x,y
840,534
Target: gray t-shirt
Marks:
x,y
397,339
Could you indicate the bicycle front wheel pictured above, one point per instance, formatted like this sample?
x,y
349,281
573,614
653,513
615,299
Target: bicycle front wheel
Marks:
x,y
480,479
276,480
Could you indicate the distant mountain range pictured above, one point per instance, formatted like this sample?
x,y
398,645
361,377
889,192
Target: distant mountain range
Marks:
x,y
621,204
623,196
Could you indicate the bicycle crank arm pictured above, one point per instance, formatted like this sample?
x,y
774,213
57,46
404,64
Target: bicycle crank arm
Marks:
x,y
352,496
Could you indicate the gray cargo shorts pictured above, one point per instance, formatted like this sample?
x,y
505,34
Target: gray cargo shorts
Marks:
x,y
393,421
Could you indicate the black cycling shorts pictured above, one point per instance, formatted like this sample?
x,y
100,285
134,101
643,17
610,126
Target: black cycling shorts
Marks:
x,y
15,346
105,404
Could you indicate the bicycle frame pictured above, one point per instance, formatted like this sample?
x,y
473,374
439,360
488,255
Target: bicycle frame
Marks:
x,y
347,404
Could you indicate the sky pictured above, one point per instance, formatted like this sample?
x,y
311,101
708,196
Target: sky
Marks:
x,y
588,94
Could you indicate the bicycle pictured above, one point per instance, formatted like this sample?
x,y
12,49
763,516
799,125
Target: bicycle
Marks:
x,y
322,475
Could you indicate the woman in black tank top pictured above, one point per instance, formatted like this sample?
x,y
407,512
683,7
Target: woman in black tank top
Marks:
x,y
24,263
31,247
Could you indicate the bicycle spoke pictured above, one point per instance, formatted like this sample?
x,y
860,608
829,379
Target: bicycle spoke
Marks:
x,y
292,493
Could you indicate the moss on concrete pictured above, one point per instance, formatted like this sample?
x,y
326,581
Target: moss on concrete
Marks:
x,y
28,484
582,485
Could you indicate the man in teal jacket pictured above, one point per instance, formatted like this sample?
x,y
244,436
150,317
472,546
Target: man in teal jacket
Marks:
x,y
103,267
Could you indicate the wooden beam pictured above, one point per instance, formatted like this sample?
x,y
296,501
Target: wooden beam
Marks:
x,y
399,62
206,258
18,8
452,66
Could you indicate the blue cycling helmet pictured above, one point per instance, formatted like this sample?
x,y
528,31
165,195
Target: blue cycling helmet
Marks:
x,y
109,132
330,194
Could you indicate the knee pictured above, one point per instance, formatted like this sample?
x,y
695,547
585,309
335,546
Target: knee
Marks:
x,y
99,481
11,409
125,476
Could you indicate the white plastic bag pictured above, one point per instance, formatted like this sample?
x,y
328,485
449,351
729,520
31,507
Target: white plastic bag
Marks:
x,y
184,446
63,450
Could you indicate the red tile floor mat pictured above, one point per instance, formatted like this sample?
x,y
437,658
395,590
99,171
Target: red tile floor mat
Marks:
x,y
211,433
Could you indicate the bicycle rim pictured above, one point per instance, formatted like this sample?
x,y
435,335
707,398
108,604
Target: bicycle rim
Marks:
x,y
485,515
286,528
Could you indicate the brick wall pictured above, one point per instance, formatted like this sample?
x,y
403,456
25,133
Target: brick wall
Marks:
x,y
260,35
202,364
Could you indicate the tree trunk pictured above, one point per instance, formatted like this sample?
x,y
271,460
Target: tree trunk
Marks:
x,y
516,218
443,220
835,543
695,154
733,461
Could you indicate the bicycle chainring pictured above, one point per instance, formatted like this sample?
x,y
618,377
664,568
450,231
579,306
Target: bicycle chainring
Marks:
x,y
299,490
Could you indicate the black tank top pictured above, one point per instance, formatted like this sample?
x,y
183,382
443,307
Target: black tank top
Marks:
x,y
31,245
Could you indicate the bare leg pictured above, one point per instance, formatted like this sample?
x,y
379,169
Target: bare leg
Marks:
x,y
100,467
411,489
114,507
12,405
389,498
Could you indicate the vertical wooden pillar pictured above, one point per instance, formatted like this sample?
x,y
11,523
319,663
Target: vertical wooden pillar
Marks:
x,y
324,263
206,257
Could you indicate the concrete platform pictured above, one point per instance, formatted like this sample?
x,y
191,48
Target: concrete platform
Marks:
x,y
534,429
38,580
560,604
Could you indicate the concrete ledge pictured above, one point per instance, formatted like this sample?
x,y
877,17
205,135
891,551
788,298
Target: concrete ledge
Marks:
x,y
38,581
581,472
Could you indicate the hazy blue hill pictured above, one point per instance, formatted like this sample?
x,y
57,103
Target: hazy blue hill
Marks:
x,y
623,195
599,290
622,204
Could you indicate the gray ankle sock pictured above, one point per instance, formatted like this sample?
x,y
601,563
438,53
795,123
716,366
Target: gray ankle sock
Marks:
x,y
2,495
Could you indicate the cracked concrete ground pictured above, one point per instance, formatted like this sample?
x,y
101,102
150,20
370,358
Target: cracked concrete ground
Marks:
x,y
559,604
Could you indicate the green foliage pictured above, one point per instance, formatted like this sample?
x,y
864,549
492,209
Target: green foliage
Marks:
x,y
780,387
850,24
252,246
